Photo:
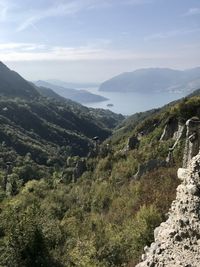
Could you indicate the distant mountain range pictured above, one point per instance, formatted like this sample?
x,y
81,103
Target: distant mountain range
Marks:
x,y
80,96
72,84
154,80
69,199
38,121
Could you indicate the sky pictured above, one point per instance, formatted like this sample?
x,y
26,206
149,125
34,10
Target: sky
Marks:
x,y
93,40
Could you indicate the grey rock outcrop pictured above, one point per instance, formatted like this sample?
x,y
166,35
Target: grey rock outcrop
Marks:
x,y
179,133
176,136
79,169
170,128
192,140
149,166
177,241
133,143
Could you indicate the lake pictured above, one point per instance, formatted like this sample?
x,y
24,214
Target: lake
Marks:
x,y
130,103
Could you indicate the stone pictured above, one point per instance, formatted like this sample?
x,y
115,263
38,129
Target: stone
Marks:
x,y
192,189
156,231
192,140
176,136
143,257
170,128
178,238
182,173
149,166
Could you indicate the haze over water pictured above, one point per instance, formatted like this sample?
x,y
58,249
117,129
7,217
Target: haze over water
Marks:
x,y
130,103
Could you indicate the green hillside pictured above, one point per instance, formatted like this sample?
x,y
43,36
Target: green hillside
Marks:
x,y
38,121
13,85
60,206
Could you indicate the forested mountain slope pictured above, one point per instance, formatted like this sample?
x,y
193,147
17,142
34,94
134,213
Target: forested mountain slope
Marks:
x,y
78,95
45,126
98,210
13,85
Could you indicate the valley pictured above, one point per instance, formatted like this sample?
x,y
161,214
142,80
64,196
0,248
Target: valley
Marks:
x,y
99,133
82,186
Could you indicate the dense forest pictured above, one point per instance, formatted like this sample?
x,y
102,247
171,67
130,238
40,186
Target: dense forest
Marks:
x,y
72,191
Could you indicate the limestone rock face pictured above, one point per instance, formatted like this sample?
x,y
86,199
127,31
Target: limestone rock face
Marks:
x,y
133,143
149,166
170,128
176,136
192,140
79,169
177,241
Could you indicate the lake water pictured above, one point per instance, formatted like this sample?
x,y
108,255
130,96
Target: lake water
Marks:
x,y
130,103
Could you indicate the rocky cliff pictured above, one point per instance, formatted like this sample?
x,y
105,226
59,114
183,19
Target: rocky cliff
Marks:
x,y
177,241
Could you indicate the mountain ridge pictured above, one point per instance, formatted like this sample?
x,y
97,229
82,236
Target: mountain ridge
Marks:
x,y
150,80
90,209
45,122
13,85
80,96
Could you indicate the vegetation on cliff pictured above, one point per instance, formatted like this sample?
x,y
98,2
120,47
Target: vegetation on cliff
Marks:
x,y
61,209
107,216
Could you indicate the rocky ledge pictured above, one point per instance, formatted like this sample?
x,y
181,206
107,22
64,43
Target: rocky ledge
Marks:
x,y
177,241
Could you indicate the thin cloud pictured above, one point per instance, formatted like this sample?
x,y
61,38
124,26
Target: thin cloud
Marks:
x,y
192,12
171,34
24,16
4,7
54,11
137,2
61,9
71,8
38,52
10,48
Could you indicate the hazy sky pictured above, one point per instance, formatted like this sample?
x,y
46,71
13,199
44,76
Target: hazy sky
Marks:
x,y
92,40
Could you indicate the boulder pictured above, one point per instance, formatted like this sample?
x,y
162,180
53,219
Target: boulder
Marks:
x,y
182,174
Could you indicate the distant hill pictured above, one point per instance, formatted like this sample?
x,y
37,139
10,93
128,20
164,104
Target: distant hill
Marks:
x,y
60,210
104,117
80,96
13,85
49,93
154,80
38,121
72,84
